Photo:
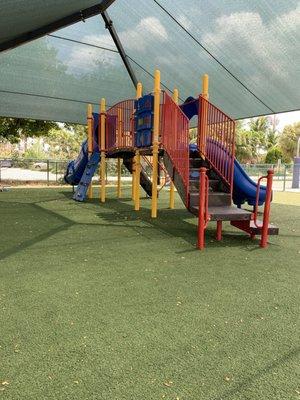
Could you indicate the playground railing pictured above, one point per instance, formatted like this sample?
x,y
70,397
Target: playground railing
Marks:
x,y
147,167
266,214
119,125
203,214
216,139
175,137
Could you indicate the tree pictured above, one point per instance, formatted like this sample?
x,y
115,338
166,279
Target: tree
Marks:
x,y
65,143
243,150
260,124
273,155
288,141
15,129
271,139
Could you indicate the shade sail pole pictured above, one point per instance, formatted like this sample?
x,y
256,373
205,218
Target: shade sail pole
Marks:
x,y
109,25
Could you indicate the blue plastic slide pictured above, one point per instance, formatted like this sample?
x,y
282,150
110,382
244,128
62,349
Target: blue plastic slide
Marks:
x,y
76,167
244,188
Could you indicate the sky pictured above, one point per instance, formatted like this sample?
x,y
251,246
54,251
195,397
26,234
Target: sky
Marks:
x,y
287,119
283,119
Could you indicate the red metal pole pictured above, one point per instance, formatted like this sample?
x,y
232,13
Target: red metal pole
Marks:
x,y
265,226
202,203
219,230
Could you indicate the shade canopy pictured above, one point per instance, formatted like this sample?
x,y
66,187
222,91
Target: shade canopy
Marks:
x,y
250,49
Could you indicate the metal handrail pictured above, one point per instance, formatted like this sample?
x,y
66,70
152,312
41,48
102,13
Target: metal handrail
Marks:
x,y
203,215
162,167
206,215
255,211
266,214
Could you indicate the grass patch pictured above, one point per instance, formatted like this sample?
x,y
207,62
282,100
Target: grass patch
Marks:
x,y
100,302
291,198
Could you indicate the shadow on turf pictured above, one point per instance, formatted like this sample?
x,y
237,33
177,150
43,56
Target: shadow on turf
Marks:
x,y
174,223
38,210
252,378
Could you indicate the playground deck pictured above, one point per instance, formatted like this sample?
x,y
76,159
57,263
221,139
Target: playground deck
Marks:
x,y
97,301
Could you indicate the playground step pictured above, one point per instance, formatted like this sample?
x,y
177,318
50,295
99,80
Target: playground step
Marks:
x,y
272,229
198,162
225,213
251,228
214,185
194,173
214,199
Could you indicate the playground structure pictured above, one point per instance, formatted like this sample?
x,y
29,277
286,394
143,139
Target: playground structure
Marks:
x,y
206,175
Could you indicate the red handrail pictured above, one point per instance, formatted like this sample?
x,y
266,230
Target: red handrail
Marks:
x,y
255,211
216,139
203,215
267,207
175,138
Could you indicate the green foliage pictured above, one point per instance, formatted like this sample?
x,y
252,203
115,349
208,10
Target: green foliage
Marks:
x,y
273,155
249,144
65,143
15,129
260,124
288,140
35,151
271,139
193,135
243,151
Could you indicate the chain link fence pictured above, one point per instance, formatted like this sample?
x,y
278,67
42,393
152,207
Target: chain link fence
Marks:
x,y
283,174
47,172
51,172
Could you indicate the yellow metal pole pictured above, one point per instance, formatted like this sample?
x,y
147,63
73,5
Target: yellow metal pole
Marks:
x,y
204,115
90,143
139,90
205,82
137,163
155,142
133,179
119,190
137,181
103,161
172,187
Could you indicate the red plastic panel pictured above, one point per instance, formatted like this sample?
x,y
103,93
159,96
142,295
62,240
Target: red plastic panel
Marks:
x,y
119,125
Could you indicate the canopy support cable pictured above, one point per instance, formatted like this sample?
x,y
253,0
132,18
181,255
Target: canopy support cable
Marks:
x,y
212,56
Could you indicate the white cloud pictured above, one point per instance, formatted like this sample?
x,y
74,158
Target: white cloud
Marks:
x,y
139,37
255,38
83,59
185,22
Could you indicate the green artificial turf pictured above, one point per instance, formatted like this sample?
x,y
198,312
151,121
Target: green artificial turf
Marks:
x,y
101,302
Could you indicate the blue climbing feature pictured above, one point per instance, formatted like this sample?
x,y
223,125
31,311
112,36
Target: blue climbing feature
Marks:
x,y
87,176
143,121
75,168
